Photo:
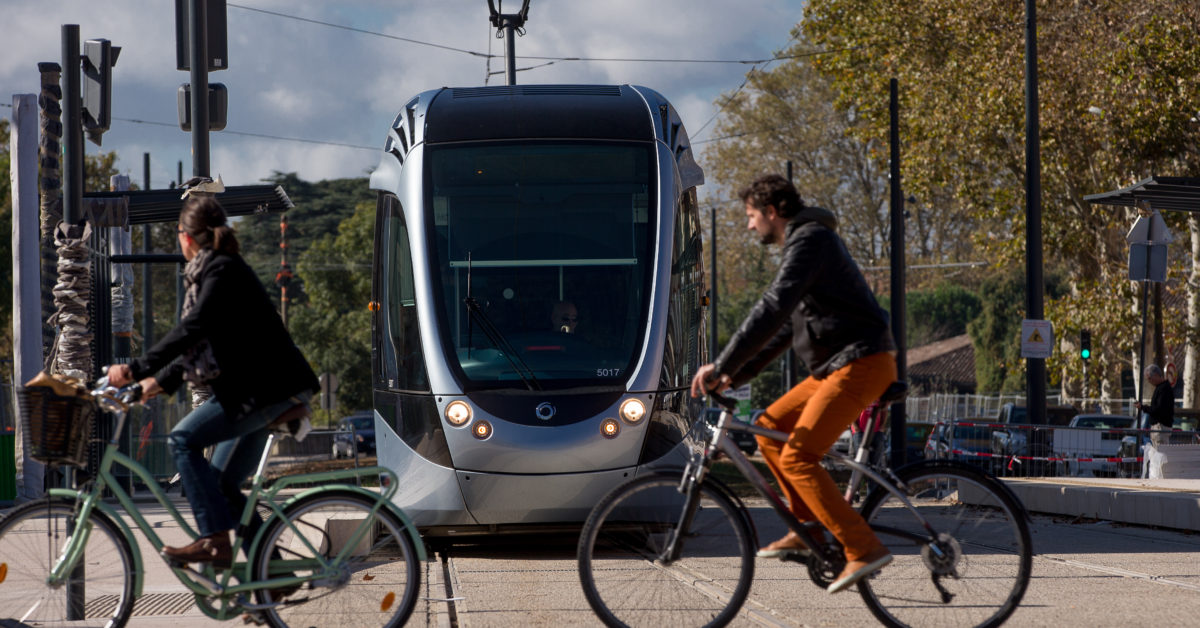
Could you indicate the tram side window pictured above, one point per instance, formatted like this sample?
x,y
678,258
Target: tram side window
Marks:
x,y
405,361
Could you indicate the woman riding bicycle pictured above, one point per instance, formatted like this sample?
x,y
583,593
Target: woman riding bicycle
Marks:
x,y
819,302
231,340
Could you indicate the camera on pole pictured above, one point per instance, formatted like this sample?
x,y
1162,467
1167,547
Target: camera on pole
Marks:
x,y
99,57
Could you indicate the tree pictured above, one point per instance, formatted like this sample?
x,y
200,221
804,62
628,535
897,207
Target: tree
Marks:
x,y
938,314
1114,103
333,328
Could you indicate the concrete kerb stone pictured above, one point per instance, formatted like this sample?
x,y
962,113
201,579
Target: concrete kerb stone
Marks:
x,y
1160,503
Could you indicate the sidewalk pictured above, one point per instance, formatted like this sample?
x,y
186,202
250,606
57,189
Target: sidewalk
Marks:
x,y
1160,503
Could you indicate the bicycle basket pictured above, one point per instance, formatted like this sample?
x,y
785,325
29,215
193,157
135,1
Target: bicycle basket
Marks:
x,y
56,428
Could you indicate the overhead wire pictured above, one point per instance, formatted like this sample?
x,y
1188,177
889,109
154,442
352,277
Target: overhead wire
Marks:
x,y
490,55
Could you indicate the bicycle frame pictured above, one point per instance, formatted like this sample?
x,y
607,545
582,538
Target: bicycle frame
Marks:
x,y
199,584
725,445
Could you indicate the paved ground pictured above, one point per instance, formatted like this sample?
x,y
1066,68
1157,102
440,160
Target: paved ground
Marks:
x,y
1086,573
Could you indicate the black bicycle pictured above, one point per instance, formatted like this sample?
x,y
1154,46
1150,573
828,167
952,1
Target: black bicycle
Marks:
x,y
678,548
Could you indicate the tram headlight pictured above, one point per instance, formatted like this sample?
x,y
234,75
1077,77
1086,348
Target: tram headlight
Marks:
x,y
481,430
458,413
609,428
633,410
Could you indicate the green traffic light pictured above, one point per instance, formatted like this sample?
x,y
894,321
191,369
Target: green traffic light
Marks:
x,y
1085,353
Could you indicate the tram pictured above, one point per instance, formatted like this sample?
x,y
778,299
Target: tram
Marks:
x,y
538,295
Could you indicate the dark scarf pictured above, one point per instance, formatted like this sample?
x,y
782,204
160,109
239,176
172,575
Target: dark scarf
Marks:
x,y
199,364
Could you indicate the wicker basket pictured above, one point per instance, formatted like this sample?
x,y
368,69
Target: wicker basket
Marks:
x,y
56,428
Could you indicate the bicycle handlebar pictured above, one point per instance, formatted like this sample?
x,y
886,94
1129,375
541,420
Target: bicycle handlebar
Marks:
x,y
113,399
727,402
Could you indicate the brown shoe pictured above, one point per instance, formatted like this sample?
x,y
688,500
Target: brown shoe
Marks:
x,y
214,548
790,544
858,569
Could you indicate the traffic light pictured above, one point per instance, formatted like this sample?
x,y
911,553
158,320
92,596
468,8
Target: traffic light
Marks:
x,y
99,57
1085,344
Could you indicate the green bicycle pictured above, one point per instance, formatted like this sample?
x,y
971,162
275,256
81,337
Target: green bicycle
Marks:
x,y
331,555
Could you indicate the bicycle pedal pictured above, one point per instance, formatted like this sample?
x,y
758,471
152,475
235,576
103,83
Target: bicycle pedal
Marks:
x,y
254,618
795,556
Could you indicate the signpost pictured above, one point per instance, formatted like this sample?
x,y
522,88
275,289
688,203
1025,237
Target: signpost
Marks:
x,y
742,394
1037,339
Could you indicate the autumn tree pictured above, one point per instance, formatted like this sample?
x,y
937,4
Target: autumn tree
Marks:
x,y
1117,102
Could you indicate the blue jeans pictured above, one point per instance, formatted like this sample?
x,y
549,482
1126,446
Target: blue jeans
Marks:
x,y
215,490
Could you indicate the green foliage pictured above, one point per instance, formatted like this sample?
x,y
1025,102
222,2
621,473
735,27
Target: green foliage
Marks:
x,y
333,328
937,314
1116,102
996,332
320,208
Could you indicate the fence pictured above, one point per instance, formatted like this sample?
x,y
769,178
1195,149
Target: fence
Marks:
x,y
1045,451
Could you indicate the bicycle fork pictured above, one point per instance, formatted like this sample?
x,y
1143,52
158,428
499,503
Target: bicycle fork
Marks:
x,y
689,486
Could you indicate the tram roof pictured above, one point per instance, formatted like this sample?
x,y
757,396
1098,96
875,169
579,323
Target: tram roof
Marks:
x,y
538,111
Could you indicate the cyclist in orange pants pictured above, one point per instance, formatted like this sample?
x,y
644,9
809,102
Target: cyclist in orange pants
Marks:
x,y
820,304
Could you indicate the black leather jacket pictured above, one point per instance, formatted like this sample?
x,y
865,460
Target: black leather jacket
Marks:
x,y
818,300
260,364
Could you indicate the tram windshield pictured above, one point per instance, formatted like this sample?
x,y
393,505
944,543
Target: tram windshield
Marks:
x,y
544,251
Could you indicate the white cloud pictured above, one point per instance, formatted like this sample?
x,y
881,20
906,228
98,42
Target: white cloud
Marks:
x,y
296,79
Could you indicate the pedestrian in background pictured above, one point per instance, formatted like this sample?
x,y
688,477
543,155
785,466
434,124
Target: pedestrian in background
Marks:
x,y
1160,414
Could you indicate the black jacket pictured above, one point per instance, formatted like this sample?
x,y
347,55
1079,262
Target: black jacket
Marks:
x,y
1162,405
259,363
818,300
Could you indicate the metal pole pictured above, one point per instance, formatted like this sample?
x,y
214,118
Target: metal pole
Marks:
x,y
1140,376
198,21
1035,368
72,127
147,289
899,305
26,285
510,52
712,304
789,355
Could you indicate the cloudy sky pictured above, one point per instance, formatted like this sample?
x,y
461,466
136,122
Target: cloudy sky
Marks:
x,y
337,88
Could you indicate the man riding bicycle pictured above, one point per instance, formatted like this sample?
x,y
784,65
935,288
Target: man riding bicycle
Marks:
x,y
820,302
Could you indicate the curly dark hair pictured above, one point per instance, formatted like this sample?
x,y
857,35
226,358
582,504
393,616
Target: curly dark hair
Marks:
x,y
773,189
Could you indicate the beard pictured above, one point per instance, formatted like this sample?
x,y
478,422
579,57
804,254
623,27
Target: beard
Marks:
x,y
766,238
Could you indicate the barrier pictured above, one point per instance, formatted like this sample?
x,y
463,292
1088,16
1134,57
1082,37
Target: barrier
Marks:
x,y
1022,450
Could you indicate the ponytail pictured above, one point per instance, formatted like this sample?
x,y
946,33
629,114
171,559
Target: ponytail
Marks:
x,y
224,240
203,218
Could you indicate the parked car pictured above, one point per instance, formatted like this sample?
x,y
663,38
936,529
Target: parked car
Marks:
x,y
1091,436
946,439
1006,443
359,427
916,435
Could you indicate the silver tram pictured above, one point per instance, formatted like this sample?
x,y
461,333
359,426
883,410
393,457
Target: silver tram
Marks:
x,y
538,299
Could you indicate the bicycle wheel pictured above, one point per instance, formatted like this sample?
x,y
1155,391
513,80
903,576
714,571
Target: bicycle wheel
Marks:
x,y
375,586
99,592
628,584
983,539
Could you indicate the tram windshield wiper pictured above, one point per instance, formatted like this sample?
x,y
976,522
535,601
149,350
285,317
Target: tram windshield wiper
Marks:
x,y
500,342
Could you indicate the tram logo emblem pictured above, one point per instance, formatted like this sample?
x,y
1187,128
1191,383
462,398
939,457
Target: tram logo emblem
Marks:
x,y
545,411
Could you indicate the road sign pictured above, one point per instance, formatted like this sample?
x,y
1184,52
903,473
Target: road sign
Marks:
x,y
742,394
1037,339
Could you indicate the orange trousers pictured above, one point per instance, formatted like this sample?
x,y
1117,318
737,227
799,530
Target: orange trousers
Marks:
x,y
815,412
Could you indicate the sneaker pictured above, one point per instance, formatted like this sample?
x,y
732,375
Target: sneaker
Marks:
x,y
214,548
789,546
858,569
